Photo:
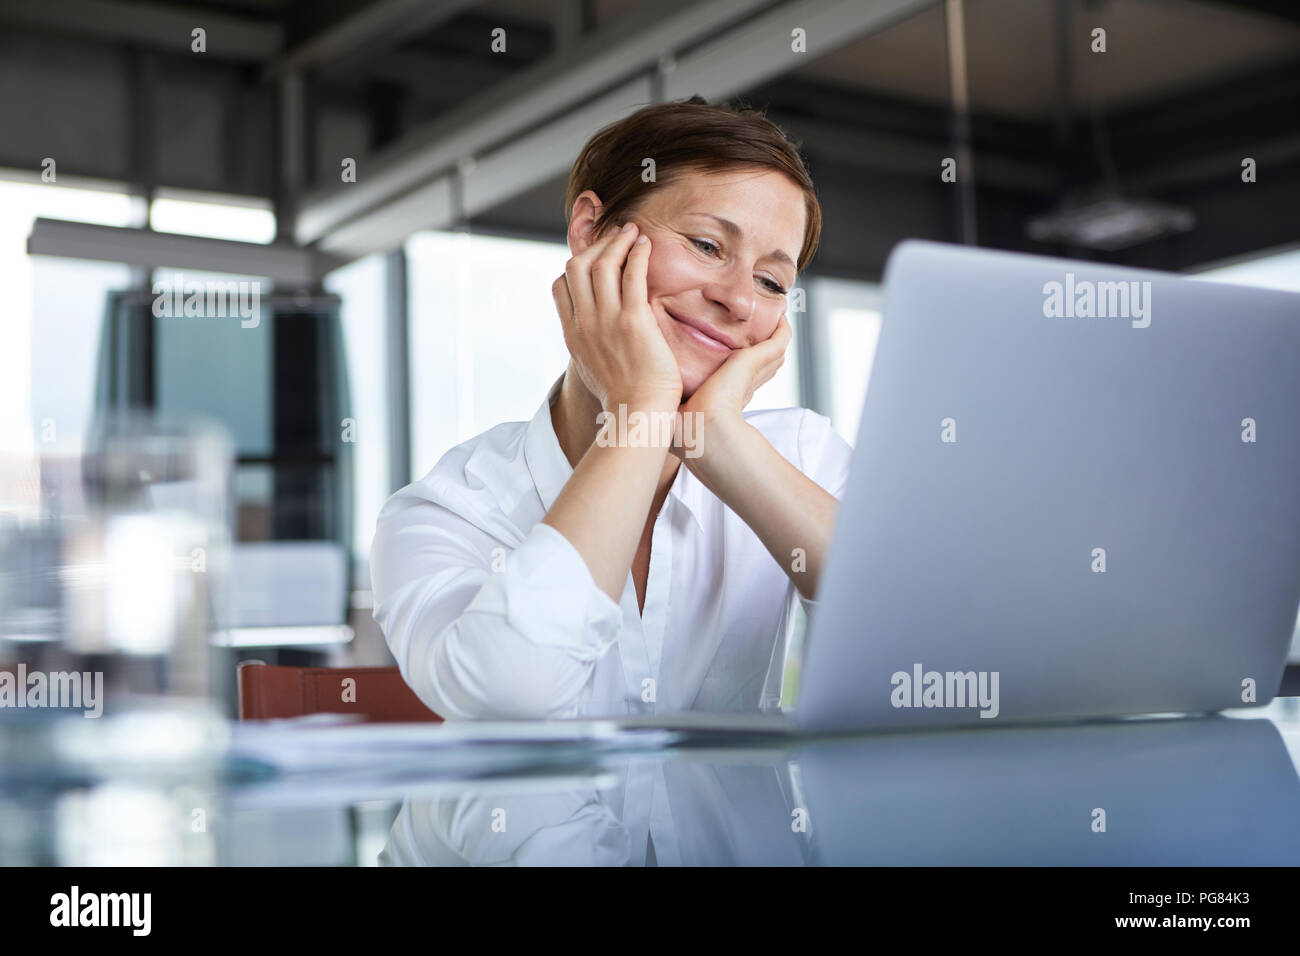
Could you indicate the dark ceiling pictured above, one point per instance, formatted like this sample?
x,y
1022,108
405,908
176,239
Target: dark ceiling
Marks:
x,y
1185,90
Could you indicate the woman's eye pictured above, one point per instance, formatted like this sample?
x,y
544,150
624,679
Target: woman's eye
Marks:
x,y
706,245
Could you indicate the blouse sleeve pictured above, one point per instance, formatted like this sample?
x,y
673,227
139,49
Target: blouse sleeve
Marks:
x,y
482,631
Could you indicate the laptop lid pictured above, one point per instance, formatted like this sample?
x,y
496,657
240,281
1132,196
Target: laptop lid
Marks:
x,y
1075,492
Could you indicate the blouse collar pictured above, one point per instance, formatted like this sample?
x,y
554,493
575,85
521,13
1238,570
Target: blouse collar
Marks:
x,y
550,469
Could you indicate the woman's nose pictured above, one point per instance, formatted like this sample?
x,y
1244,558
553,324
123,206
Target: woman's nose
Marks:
x,y
735,291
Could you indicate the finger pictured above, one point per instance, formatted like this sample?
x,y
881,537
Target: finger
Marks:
x,y
578,284
634,273
578,273
564,304
607,272
598,245
783,332
769,371
766,374
775,345
758,369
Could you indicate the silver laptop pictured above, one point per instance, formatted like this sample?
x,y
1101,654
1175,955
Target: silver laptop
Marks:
x,y
1075,493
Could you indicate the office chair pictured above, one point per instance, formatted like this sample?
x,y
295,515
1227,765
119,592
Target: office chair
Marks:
x,y
378,694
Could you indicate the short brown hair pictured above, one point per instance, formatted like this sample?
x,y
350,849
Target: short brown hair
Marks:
x,y
687,135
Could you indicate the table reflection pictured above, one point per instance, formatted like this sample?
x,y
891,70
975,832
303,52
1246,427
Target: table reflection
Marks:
x,y
1191,791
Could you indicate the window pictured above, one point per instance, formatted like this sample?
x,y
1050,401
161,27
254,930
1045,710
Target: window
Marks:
x,y
53,308
485,342
214,367
217,217
361,286
1274,271
783,390
849,320
269,369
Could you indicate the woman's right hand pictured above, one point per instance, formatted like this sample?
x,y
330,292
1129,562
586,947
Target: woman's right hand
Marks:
x,y
610,330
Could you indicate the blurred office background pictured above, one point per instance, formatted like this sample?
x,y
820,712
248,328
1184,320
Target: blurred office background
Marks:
x,y
409,310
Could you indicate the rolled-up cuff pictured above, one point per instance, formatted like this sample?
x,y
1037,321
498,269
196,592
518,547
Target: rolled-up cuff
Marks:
x,y
552,599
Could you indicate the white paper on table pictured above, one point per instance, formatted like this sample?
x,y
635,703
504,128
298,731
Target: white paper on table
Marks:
x,y
327,741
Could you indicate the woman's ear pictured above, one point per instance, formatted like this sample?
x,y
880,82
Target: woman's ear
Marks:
x,y
582,223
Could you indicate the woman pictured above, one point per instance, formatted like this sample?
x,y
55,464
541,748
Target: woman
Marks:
x,y
582,563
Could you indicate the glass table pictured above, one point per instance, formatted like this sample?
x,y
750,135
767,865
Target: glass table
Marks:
x,y
1211,790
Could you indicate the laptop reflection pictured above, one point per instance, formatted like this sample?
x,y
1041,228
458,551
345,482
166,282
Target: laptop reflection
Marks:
x,y
1190,791
1207,791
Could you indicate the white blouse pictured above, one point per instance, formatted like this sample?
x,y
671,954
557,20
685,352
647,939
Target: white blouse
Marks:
x,y
492,614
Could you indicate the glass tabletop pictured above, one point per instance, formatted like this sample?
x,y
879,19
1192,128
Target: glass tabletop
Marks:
x,y
1213,790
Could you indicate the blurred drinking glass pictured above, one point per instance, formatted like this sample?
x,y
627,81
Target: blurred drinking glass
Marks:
x,y
112,583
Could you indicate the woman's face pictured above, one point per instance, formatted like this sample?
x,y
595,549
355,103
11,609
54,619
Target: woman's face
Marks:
x,y
722,259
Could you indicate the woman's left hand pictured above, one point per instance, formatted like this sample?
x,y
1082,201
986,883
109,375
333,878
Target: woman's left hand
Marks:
x,y
719,402
791,514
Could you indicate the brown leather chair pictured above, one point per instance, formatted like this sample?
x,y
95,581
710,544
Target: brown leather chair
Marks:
x,y
380,694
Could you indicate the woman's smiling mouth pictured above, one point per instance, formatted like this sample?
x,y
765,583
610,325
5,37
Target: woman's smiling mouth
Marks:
x,y
698,332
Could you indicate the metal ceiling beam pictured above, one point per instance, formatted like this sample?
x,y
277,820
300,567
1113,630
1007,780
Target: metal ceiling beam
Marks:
x,y
477,186
168,28
727,52
287,265
592,66
760,48
431,206
383,24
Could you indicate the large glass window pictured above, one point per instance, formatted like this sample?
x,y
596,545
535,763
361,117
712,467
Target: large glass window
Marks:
x,y
218,368
783,390
53,308
485,342
216,217
849,319
361,286
1274,271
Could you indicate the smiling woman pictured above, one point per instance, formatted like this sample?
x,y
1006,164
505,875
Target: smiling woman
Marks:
x,y
563,568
